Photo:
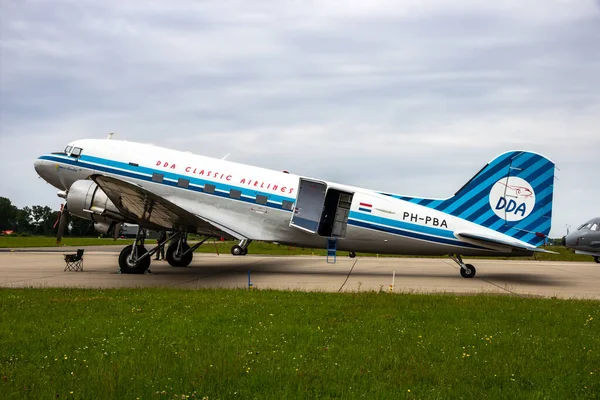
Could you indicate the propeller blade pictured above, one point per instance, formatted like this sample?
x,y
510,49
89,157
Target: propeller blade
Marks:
x,y
63,222
58,216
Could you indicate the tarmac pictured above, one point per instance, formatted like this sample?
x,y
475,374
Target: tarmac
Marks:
x,y
44,267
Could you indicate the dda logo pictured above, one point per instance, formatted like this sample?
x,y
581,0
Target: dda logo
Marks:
x,y
512,198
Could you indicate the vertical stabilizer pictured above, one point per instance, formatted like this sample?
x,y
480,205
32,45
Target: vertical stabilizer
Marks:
x,y
511,195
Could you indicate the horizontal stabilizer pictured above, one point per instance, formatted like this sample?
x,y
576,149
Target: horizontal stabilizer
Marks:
x,y
498,244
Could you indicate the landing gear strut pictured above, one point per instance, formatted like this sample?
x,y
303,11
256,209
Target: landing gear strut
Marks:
x,y
466,270
135,259
242,248
179,253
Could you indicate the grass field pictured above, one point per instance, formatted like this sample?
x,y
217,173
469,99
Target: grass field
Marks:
x,y
235,344
50,241
254,248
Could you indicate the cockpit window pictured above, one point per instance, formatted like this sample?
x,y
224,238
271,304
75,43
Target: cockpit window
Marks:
x,y
594,227
68,150
76,152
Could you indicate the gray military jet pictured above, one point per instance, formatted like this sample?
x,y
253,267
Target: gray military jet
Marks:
x,y
586,239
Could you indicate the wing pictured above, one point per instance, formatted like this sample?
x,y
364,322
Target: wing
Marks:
x,y
498,244
152,211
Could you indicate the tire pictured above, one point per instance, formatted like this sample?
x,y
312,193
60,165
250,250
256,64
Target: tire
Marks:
x,y
351,254
469,272
129,268
245,251
597,259
175,261
237,250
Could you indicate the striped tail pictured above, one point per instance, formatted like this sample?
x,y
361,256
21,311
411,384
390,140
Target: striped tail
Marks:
x,y
511,195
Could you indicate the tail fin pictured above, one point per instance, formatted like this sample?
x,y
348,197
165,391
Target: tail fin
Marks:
x,y
511,195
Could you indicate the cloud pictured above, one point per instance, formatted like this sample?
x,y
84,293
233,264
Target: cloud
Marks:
x,y
405,96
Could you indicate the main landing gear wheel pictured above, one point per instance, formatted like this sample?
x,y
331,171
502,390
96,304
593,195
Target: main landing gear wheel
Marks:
x,y
468,272
597,259
351,254
179,259
133,265
237,250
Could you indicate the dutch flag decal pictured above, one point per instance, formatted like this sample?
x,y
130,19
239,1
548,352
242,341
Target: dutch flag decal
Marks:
x,y
364,207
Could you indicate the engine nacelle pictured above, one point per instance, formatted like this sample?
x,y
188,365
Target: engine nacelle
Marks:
x,y
103,227
86,200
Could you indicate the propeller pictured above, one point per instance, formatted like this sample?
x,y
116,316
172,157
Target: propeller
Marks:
x,y
62,221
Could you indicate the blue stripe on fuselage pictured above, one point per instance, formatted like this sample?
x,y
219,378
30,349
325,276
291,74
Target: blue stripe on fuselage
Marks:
x,y
401,224
363,220
413,235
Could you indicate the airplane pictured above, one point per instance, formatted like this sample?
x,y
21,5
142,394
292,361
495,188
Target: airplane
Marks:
x,y
504,210
586,239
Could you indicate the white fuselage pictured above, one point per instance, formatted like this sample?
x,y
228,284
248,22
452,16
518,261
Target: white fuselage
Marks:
x,y
234,195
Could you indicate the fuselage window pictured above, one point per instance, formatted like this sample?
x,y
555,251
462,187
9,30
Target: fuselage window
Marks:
x,y
287,205
158,178
183,183
208,188
235,194
261,199
76,152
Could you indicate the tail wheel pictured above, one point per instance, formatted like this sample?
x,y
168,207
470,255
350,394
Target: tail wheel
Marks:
x,y
130,266
178,260
468,272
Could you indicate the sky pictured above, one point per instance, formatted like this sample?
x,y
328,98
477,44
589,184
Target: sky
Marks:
x,y
409,97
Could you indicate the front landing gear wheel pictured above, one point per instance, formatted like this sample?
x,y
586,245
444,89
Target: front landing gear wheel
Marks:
x,y
351,254
468,272
237,250
133,265
179,259
597,259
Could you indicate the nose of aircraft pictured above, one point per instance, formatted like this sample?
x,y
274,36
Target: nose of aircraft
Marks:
x,y
48,172
574,239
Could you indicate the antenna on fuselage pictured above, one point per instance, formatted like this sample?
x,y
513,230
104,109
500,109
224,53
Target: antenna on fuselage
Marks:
x,y
110,135
226,155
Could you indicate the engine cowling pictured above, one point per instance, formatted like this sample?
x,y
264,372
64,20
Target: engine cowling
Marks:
x,y
86,200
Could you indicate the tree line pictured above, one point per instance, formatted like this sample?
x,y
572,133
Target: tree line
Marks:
x,y
39,220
